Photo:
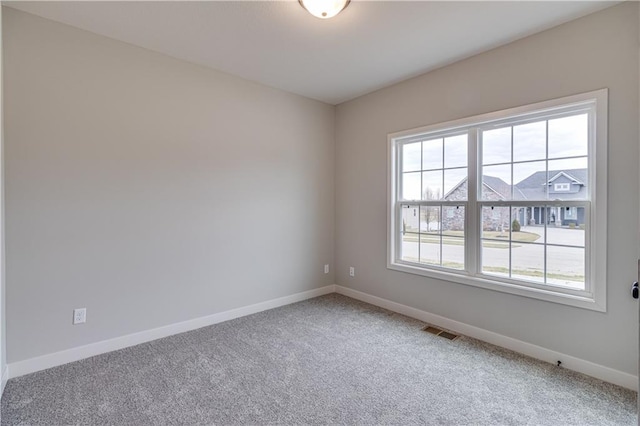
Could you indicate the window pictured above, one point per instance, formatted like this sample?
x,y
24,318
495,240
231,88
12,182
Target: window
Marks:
x,y
506,200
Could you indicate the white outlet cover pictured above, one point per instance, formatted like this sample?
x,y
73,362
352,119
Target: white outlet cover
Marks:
x,y
79,316
326,269
352,271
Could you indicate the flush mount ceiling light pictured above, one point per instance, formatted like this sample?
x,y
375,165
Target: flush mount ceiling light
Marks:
x,y
324,9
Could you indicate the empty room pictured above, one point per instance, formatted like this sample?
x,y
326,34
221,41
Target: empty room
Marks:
x,y
319,212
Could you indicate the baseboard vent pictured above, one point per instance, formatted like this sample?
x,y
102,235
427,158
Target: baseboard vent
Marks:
x,y
440,332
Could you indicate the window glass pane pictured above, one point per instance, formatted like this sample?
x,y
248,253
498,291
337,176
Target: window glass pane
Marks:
x,y
569,226
529,180
565,266
568,179
495,258
409,250
432,154
530,141
455,151
411,153
568,136
577,163
452,252
430,219
430,249
531,220
411,186
410,219
527,262
496,223
496,146
453,220
432,185
454,184
496,183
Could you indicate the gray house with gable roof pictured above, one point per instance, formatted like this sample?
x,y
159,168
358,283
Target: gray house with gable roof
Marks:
x,y
560,185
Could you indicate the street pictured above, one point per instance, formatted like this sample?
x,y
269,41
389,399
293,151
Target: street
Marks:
x,y
565,265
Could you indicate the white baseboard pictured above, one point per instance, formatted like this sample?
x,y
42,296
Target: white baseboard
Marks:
x,y
43,362
601,372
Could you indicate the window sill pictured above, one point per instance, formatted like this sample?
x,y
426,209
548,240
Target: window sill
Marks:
x,y
584,301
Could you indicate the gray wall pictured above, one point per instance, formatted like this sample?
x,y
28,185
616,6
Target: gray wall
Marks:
x,y
150,190
597,51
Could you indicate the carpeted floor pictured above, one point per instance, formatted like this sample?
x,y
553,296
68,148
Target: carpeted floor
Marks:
x,y
329,360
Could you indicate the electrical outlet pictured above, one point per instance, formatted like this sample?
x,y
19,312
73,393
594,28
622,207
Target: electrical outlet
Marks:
x,y
352,271
326,268
79,316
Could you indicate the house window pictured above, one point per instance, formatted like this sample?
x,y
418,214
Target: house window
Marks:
x,y
474,201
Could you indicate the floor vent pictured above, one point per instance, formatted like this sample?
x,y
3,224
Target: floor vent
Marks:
x,y
439,332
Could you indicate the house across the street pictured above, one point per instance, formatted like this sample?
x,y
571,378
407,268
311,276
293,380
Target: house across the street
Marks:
x,y
558,184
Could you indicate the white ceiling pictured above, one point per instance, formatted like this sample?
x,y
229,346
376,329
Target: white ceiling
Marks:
x,y
370,45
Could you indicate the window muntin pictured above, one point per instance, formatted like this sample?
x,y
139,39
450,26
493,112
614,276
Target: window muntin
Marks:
x,y
555,141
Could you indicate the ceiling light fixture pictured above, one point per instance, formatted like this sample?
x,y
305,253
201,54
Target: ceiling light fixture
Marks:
x,y
324,9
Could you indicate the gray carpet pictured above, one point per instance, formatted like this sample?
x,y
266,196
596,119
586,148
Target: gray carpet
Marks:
x,y
329,360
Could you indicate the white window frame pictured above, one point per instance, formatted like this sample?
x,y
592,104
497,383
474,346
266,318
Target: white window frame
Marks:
x,y
594,295
560,187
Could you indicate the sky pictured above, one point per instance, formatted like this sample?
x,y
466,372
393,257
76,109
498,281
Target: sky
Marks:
x,y
568,137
